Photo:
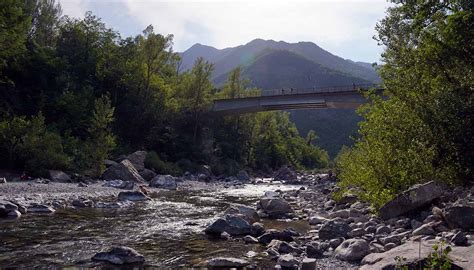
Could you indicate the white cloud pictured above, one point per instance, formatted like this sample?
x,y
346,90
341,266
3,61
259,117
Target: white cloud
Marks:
x,y
334,25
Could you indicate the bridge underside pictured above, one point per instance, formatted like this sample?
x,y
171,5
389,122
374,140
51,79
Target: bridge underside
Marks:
x,y
339,100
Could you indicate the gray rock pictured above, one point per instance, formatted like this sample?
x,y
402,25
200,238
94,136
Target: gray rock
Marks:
x,y
284,247
233,225
352,250
164,181
257,229
119,255
59,176
415,224
315,249
411,199
383,230
82,203
225,236
109,163
286,174
288,261
132,196
124,171
147,174
271,234
459,217
246,212
138,159
113,205
396,239
412,252
334,243
14,214
344,213
357,232
117,183
6,207
275,207
425,229
250,239
40,208
389,246
315,220
334,229
226,262
308,264
3,180
460,239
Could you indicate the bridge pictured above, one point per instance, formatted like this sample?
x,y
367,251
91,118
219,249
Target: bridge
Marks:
x,y
334,97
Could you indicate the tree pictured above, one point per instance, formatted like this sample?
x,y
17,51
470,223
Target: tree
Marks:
x,y
45,17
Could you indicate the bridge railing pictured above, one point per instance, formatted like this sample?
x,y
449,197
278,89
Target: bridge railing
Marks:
x,y
311,90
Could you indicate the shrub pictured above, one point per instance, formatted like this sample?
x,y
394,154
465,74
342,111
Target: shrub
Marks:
x,y
154,162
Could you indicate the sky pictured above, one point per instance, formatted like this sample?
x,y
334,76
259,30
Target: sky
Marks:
x,y
342,27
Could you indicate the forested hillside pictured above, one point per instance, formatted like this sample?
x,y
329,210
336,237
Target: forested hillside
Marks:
x,y
74,92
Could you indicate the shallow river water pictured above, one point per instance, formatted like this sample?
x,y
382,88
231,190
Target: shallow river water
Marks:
x,y
167,231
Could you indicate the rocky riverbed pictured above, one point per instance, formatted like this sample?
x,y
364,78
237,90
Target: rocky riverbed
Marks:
x,y
289,221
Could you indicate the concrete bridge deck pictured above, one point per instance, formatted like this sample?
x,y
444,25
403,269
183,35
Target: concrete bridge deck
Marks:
x,y
336,97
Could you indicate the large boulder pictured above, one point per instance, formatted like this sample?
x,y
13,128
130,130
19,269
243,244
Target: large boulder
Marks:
x,y
138,159
459,217
274,207
225,262
352,250
233,225
164,181
414,251
124,171
119,255
334,229
286,174
246,212
59,176
411,199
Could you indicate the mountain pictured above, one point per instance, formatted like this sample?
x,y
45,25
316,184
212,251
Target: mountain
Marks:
x,y
227,59
273,65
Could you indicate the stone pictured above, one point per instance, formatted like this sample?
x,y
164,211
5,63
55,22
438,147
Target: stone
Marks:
x,y
129,185
109,163
357,232
344,213
389,246
383,230
411,199
124,171
40,208
14,214
226,262
138,159
243,176
288,261
164,181
460,239
415,224
283,247
413,252
133,196
233,225
352,250
459,217
425,229
6,207
82,184
275,207
248,239
82,203
3,180
315,249
315,220
119,255
308,264
225,236
257,229
334,243
147,174
396,239
271,234
286,174
246,212
59,176
334,229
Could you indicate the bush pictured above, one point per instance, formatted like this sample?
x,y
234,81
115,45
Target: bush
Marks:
x,y
31,147
153,161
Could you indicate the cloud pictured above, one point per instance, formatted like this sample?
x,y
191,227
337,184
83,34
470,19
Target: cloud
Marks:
x,y
336,25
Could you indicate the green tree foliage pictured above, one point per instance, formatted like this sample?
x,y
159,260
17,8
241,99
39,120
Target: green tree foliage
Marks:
x,y
91,94
424,130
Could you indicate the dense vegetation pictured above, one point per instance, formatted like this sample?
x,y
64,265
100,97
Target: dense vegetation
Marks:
x,y
424,130
74,92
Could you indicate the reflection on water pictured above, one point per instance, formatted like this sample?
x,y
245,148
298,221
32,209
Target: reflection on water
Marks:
x,y
167,230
